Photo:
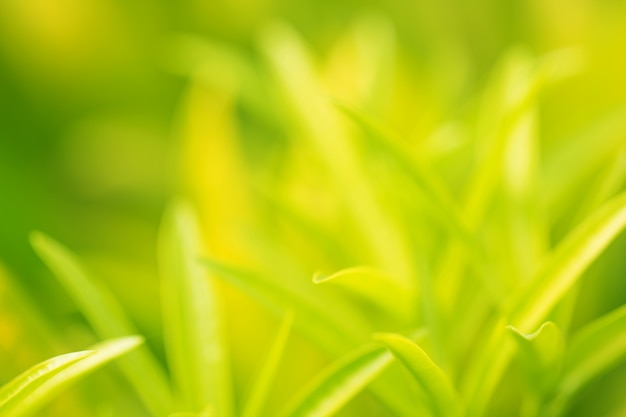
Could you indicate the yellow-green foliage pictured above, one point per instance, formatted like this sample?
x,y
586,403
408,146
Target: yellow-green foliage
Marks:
x,y
313,210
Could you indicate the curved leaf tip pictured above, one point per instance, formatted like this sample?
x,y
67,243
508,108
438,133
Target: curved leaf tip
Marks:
x,y
320,277
434,382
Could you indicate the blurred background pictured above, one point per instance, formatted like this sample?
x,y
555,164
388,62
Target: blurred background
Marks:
x,y
99,104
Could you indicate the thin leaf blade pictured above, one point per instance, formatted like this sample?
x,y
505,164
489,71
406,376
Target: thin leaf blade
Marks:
x,y
321,325
541,354
437,196
25,383
108,319
315,322
372,285
339,383
594,350
258,397
561,271
300,85
434,382
97,356
568,262
194,335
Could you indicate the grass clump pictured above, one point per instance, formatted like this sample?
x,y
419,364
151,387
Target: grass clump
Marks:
x,y
436,272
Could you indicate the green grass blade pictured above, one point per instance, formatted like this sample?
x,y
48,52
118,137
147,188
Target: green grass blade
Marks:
x,y
339,383
507,149
512,94
44,382
193,331
486,369
314,321
438,199
108,319
442,205
526,234
541,354
299,83
560,272
373,286
328,329
608,183
568,262
504,123
321,239
594,350
543,347
24,384
587,150
367,50
258,397
434,382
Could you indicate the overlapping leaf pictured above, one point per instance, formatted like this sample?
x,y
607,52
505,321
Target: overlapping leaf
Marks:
x,y
443,400
28,392
193,331
108,319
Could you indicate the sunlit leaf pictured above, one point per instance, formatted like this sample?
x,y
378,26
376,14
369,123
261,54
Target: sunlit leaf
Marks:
x,y
437,196
542,355
108,319
339,383
360,68
526,234
588,150
434,382
193,333
33,389
375,287
608,183
29,381
559,273
260,391
594,350
312,110
314,321
565,266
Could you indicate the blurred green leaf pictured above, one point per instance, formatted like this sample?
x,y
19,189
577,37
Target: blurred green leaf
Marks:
x,y
608,183
339,383
531,304
260,391
313,112
434,382
23,385
373,286
441,203
33,389
542,355
327,328
568,262
587,150
594,350
192,318
313,321
108,319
